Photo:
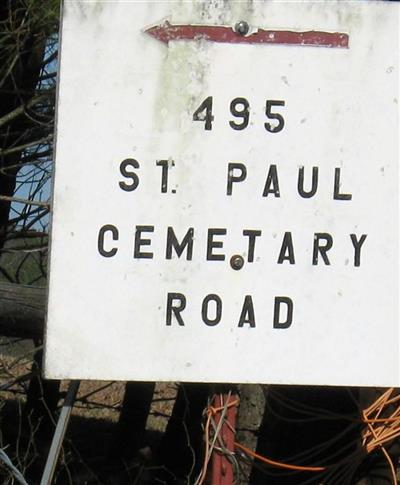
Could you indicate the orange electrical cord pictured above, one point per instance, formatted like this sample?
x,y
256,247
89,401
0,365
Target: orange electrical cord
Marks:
x,y
214,410
278,463
210,412
375,436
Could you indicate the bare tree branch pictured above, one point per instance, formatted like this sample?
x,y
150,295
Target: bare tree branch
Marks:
x,y
21,109
25,201
20,148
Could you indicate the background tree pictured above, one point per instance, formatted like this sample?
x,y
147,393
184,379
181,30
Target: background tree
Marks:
x,y
28,49
27,91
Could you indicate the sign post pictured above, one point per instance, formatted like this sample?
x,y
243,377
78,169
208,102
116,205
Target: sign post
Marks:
x,y
222,469
226,190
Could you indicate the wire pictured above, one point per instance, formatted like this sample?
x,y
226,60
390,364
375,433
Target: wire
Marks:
x,y
381,422
278,463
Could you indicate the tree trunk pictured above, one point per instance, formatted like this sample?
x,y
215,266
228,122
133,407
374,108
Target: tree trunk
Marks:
x,y
22,310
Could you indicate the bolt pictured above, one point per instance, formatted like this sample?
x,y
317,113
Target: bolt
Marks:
x,y
237,262
242,27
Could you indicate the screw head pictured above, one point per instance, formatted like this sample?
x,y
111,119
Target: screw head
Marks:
x,y
242,27
237,262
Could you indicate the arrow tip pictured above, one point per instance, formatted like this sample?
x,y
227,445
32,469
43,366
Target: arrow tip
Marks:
x,y
160,32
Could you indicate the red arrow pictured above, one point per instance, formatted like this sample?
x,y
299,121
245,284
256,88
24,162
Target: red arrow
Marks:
x,y
217,33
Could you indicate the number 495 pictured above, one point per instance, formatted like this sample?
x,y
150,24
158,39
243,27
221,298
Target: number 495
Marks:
x,y
240,109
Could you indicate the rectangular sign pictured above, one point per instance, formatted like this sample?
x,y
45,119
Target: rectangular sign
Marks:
x,y
226,203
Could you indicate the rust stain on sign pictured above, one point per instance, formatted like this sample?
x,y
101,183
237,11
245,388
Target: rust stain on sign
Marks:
x,y
217,33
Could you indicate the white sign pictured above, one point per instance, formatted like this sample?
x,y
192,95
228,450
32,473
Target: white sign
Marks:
x,y
226,203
